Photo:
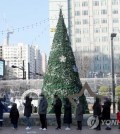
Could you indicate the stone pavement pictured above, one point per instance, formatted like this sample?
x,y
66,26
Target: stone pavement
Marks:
x,y
51,130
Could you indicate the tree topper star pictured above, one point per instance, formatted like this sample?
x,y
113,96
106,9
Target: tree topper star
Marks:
x,y
62,59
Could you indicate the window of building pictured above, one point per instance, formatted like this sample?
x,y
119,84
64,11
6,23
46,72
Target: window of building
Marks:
x,y
116,47
104,21
105,57
115,2
85,39
85,21
115,20
97,30
85,12
78,40
96,12
115,11
104,11
97,48
115,29
85,30
95,3
97,39
78,31
97,67
105,48
77,22
104,38
77,13
85,48
96,21
103,2
77,4
117,38
104,29
85,3
105,66
97,58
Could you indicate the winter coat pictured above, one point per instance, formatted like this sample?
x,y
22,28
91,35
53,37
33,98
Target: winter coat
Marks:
x,y
106,110
28,107
119,104
57,106
67,114
2,109
118,117
97,109
14,115
79,112
42,106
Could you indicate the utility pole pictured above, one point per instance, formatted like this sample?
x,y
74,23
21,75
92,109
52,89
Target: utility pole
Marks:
x,y
112,70
23,70
28,70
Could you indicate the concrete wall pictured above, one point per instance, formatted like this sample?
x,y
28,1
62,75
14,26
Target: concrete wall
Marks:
x,y
50,120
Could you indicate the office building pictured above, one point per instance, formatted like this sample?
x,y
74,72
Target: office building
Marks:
x,y
43,63
22,56
90,24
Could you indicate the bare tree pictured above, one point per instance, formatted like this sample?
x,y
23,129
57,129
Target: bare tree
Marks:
x,y
83,64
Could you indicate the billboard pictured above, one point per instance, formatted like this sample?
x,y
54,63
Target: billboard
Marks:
x,y
2,68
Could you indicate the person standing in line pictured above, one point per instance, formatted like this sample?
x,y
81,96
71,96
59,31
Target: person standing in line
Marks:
x,y
57,105
79,115
28,111
14,115
118,113
67,119
106,112
42,110
97,112
2,109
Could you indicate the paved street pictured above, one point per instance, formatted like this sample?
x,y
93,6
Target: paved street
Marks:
x,y
51,130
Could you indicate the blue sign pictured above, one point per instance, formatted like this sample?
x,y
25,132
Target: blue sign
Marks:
x,y
2,67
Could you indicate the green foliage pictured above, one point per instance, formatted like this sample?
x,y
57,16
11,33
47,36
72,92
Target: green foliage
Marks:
x,y
117,91
62,76
104,90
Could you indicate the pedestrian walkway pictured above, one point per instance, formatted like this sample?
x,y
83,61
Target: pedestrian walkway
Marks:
x,y
52,130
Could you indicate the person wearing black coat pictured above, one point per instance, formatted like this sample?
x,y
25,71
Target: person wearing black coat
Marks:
x,y
67,119
2,109
79,114
28,111
97,112
14,115
106,112
57,105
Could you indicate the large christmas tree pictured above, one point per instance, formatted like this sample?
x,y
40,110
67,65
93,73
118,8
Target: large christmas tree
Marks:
x,y
62,77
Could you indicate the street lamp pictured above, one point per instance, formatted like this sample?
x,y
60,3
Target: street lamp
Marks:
x,y
21,68
24,72
112,69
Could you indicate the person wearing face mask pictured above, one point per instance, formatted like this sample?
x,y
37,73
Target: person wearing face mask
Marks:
x,y
42,111
28,111
57,105
79,114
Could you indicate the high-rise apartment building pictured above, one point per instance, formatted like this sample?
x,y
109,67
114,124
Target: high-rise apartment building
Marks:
x,y
90,24
43,63
22,56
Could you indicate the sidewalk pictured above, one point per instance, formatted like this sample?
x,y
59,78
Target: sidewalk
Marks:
x,y
51,130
